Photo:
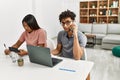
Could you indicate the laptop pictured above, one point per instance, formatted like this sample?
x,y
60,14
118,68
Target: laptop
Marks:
x,y
41,55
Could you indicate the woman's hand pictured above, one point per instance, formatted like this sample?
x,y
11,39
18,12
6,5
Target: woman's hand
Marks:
x,y
7,51
22,52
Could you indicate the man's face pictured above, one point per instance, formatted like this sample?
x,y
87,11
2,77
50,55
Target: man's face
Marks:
x,y
66,23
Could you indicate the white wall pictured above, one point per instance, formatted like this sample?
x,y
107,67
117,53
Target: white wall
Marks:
x,y
11,15
46,12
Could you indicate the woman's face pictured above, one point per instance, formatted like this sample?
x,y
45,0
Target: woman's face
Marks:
x,y
26,27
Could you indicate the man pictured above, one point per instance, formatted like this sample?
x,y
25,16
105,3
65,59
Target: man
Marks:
x,y
70,41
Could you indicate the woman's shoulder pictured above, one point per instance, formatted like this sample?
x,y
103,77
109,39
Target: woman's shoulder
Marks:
x,y
24,32
41,30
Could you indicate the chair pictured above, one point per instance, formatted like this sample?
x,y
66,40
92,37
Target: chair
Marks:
x,y
85,54
50,44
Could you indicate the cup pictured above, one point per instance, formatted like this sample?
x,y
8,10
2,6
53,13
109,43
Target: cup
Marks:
x,y
20,62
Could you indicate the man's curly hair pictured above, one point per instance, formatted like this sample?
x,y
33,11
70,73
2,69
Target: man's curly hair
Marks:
x,y
67,14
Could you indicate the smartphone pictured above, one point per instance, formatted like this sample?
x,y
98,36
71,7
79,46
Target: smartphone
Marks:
x,y
14,49
71,29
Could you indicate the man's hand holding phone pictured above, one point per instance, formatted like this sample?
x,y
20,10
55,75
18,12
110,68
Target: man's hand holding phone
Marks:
x,y
73,28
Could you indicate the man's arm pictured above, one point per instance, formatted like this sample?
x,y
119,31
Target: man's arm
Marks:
x,y
57,50
77,49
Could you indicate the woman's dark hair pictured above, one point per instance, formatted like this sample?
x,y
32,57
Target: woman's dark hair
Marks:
x,y
31,22
67,14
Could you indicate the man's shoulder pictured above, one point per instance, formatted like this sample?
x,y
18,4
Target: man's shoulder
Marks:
x,y
80,33
61,32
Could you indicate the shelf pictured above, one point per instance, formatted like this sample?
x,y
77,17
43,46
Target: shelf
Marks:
x,y
83,15
84,4
113,16
102,16
100,11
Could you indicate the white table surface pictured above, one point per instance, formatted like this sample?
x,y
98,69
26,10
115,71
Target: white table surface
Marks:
x,y
72,70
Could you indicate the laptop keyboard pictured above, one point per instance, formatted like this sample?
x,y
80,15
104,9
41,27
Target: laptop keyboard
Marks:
x,y
55,61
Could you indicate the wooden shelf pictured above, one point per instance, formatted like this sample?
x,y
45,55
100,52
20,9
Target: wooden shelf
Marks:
x,y
99,11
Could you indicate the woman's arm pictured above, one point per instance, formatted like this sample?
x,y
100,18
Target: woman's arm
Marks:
x,y
22,51
16,45
42,45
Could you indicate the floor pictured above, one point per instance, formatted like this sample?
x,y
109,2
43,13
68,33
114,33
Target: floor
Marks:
x,y
106,66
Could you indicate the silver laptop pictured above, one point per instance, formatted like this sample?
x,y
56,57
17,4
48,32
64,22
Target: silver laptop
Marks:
x,y
41,55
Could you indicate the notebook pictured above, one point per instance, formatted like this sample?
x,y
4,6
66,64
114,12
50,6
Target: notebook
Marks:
x,y
41,55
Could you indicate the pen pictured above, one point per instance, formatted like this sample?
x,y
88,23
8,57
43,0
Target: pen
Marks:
x,y
5,45
64,69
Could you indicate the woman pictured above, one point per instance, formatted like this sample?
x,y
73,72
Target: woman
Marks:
x,y
33,35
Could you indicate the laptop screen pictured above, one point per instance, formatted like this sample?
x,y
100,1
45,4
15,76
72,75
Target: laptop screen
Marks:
x,y
40,55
